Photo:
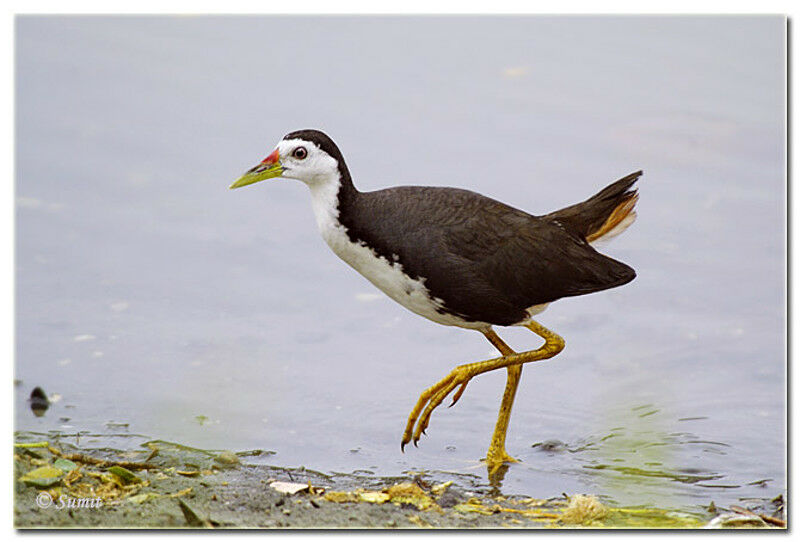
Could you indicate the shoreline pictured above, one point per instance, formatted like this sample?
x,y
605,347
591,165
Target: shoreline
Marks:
x,y
170,486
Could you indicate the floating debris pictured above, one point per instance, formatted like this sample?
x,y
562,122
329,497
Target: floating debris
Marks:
x,y
118,425
551,446
39,402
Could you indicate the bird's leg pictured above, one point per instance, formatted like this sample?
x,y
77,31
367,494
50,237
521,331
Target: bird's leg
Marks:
x,y
433,396
497,454
502,347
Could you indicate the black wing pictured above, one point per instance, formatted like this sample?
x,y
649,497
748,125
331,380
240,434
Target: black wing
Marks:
x,y
485,260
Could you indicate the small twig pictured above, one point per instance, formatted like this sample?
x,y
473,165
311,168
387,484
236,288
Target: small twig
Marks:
x,y
773,520
768,519
109,462
745,511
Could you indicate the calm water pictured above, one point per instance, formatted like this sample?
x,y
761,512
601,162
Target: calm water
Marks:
x,y
149,295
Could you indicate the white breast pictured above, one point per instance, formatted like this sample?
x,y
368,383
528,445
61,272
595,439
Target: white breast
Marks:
x,y
387,276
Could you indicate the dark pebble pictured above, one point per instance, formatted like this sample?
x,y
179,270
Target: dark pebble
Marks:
x,y
449,498
39,402
552,445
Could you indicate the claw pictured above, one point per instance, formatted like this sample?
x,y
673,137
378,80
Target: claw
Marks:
x,y
403,447
431,398
458,394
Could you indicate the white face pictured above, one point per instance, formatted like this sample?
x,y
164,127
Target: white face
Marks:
x,y
304,161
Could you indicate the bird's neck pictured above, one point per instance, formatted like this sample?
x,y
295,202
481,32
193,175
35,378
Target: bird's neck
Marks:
x,y
331,198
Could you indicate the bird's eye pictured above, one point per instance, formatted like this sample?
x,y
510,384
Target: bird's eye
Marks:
x,y
300,153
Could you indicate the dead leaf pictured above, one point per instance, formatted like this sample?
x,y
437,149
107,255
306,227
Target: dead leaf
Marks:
x,y
42,477
340,496
376,497
409,493
288,488
438,489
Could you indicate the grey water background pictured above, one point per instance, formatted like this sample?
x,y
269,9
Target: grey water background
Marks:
x,y
154,301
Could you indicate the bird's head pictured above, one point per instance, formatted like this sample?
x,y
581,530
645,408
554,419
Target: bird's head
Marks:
x,y
306,155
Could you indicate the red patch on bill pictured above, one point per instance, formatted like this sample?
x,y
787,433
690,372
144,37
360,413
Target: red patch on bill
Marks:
x,y
272,158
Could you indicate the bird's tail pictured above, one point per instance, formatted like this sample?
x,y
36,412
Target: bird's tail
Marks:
x,y
606,214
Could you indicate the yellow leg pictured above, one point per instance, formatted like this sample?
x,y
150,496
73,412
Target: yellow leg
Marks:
x,y
461,375
497,454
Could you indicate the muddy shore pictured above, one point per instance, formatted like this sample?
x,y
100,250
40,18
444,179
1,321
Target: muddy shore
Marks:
x,y
167,485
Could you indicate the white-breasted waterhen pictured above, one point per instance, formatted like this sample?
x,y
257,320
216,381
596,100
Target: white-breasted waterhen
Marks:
x,y
459,258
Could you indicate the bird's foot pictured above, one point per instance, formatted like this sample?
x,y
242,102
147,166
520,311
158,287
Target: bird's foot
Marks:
x,y
496,457
431,398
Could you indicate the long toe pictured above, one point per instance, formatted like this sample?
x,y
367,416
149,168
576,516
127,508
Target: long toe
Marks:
x,y
457,395
428,400
457,377
496,458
